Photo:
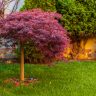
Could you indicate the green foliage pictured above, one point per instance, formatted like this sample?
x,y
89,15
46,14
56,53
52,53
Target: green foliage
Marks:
x,y
46,5
31,54
79,17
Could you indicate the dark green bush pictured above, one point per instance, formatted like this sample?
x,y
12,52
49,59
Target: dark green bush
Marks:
x,y
32,54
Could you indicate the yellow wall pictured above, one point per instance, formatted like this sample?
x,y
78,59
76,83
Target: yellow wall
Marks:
x,y
87,49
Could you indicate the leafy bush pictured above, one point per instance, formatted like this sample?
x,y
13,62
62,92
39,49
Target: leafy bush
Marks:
x,y
46,5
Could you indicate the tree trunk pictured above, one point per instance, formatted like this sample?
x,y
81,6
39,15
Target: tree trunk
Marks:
x,y
22,64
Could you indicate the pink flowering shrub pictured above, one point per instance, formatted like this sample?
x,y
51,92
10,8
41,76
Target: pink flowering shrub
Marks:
x,y
39,27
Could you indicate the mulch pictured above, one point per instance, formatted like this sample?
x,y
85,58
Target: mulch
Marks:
x,y
17,82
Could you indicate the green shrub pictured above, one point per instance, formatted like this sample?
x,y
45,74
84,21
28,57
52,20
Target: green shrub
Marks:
x,y
46,5
32,55
79,17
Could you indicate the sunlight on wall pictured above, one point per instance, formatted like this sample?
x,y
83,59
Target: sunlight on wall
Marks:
x,y
87,50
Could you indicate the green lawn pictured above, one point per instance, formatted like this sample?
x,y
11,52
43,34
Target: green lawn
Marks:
x,y
62,79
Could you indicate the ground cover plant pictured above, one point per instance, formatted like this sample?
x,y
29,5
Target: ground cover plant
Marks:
x,y
63,79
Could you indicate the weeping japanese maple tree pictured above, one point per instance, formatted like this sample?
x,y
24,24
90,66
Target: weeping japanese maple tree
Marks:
x,y
41,28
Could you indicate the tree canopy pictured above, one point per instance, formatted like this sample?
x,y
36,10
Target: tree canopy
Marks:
x,y
39,27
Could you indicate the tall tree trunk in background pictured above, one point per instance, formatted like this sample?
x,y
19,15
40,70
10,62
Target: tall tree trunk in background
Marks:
x,y
22,63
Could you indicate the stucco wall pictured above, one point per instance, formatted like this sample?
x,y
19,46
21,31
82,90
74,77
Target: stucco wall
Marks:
x,y
87,50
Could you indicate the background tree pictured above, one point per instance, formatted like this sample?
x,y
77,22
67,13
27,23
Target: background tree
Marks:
x,y
47,5
42,28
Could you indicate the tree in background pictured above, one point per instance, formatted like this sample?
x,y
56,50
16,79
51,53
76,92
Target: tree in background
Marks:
x,y
39,27
47,5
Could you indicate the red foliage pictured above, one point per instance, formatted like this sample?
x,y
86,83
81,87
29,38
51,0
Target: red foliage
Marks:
x,y
40,27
